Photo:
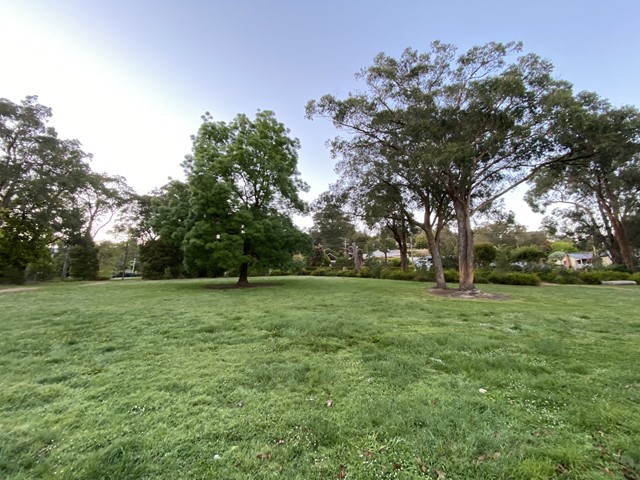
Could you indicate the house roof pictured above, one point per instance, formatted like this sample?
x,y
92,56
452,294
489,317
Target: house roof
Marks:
x,y
581,255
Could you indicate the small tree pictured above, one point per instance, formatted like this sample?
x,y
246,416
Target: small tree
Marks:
x,y
484,253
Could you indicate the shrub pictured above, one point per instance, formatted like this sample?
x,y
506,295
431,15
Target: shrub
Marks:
x,y
635,277
530,279
278,273
394,262
345,272
481,276
596,277
397,274
451,275
320,272
616,267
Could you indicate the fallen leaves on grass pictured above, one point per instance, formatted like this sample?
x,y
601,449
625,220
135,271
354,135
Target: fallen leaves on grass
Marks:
x,y
329,403
264,456
343,472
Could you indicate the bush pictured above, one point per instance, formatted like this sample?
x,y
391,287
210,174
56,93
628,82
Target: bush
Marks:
x,y
616,267
394,262
397,274
635,277
278,273
451,275
530,279
345,272
596,277
320,272
481,276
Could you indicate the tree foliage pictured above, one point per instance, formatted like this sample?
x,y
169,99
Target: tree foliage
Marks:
x,y
472,127
599,195
243,184
47,189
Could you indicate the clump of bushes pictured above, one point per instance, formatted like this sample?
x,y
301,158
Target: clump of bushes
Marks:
x,y
451,275
397,274
514,278
596,277
635,277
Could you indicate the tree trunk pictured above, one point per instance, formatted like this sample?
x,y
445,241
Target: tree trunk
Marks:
x,y
243,279
404,258
436,258
623,243
465,245
65,263
357,260
611,211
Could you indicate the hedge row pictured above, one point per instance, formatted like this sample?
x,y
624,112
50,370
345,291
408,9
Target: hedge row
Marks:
x,y
451,276
559,276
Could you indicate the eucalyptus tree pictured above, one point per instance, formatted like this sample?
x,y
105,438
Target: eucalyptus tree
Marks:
x,y
244,184
600,192
480,123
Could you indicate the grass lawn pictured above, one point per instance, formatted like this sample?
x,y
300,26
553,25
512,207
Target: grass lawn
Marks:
x,y
319,378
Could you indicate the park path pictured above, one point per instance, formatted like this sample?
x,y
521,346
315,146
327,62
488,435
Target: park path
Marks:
x,y
17,289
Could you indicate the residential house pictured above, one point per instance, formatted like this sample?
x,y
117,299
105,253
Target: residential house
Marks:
x,y
584,259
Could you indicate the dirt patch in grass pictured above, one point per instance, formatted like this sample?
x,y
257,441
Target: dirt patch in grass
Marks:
x,y
466,295
231,286
17,289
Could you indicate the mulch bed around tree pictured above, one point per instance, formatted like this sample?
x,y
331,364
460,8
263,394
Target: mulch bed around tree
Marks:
x,y
465,295
231,286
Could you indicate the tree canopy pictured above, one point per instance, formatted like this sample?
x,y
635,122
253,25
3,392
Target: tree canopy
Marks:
x,y
48,191
468,128
243,184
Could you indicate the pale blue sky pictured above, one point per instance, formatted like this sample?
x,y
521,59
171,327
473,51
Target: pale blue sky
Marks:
x,y
130,79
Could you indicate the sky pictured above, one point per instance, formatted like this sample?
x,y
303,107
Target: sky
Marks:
x,y
130,79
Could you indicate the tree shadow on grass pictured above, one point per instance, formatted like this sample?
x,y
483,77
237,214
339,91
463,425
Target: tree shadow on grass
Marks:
x,y
232,286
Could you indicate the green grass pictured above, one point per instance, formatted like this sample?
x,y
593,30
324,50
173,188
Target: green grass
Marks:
x,y
170,380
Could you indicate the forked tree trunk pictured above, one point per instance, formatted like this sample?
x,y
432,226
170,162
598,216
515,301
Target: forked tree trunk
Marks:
x,y
465,245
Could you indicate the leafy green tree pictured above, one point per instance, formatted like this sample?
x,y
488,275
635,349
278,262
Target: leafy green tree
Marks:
x,y
527,254
244,183
501,229
83,259
485,253
481,123
331,227
161,260
565,247
39,175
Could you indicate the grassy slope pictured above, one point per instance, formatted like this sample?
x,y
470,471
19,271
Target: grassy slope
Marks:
x,y
170,380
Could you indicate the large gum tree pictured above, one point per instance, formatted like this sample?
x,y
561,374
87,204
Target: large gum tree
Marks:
x,y
479,124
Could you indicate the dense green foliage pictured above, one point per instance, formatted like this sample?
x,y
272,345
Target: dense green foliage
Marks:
x,y
234,209
48,196
173,380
